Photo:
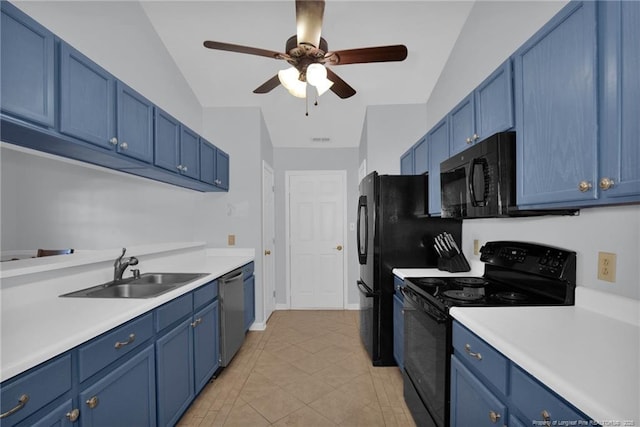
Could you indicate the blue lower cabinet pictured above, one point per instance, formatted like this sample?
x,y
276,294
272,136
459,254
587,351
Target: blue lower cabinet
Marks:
x,y
472,404
206,346
62,416
174,352
124,397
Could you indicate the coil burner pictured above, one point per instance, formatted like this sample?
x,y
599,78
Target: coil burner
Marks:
x,y
511,297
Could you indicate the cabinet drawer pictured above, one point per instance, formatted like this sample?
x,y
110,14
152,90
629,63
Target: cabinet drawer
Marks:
x,y
41,385
112,345
205,294
480,356
537,402
247,270
173,311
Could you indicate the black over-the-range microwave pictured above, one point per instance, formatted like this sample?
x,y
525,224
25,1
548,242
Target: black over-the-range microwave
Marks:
x,y
480,182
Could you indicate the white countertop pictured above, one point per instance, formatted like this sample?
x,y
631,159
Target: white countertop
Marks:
x,y
477,269
588,353
36,324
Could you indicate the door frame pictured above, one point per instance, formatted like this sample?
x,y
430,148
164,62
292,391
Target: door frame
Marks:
x,y
267,168
287,176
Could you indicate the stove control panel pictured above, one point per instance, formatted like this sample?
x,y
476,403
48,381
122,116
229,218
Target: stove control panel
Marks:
x,y
531,258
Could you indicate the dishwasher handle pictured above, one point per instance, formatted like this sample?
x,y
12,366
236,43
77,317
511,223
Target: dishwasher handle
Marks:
x,y
231,278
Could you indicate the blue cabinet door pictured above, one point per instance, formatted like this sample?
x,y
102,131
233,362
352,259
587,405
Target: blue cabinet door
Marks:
x,y
207,162
189,153
421,157
134,124
206,348
494,102
87,99
406,163
26,67
620,109
249,301
174,353
556,109
167,141
472,404
462,121
398,330
438,140
124,397
59,417
222,169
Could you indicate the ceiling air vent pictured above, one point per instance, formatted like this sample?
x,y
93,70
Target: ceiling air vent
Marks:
x,y
320,139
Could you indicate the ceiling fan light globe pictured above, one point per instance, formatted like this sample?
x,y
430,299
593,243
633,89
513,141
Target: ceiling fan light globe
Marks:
x,y
316,74
289,77
323,86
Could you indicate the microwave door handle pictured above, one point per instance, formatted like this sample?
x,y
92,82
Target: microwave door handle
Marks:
x,y
472,190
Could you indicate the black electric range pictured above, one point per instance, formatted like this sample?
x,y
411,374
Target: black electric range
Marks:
x,y
515,274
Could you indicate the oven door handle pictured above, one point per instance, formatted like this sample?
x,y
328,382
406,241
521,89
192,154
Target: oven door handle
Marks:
x,y
411,305
363,288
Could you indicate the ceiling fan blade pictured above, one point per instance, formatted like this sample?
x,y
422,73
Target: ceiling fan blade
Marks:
x,y
390,53
269,85
309,15
340,87
242,49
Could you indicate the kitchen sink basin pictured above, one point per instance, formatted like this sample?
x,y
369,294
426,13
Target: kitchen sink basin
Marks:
x,y
147,285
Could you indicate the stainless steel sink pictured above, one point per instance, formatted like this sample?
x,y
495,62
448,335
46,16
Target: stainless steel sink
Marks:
x,y
147,285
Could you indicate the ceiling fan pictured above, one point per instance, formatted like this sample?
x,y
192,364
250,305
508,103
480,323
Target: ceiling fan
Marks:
x,y
308,54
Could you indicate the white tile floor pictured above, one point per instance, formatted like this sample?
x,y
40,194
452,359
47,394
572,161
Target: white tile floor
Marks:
x,y
308,368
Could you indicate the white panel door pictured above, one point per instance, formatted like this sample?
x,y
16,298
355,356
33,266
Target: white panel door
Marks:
x,y
268,241
316,238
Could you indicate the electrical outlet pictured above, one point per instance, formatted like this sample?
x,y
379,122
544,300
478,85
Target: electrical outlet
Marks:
x,y
231,239
607,266
476,247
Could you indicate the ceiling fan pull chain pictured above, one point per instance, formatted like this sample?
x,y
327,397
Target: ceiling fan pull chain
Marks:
x,y
306,106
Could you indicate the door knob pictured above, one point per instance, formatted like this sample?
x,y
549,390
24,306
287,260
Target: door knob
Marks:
x,y
267,252
339,247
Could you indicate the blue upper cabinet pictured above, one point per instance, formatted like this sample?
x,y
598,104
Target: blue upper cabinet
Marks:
x,y
487,110
556,109
134,124
189,153
27,68
87,99
167,141
406,163
207,162
222,169
438,142
494,102
462,119
619,178
421,157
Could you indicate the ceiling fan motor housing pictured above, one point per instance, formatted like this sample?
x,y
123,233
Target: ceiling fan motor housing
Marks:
x,y
304,54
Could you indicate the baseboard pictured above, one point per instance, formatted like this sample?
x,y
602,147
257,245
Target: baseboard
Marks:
x,y
258,326
282,306
352,307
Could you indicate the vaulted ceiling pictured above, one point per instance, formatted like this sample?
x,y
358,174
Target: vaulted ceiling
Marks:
x,y
429,29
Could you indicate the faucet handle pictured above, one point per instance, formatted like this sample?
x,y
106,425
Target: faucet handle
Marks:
x,y
132,260
135,272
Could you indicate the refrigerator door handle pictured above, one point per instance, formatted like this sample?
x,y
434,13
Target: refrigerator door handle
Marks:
x,y
362,249
362,287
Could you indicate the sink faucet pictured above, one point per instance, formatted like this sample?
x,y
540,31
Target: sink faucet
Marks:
x,y
121,265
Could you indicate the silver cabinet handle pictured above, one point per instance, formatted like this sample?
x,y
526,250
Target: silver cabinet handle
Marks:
x,y
113,141
179,167
494,416
467,348
93,402
73,415
21,402
468,140
606,183
546,417
196,322
120,344
124,145
584,186
475,137
184,169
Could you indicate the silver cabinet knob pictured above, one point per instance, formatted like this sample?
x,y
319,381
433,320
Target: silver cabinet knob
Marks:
x,y
113,141
606,183
494,416
585,186
179,167
73,415
469,140
184,169
476,137
124,145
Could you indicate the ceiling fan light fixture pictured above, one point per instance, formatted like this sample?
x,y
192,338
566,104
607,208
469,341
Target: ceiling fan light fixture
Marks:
x,y
316,73
289,78
323,86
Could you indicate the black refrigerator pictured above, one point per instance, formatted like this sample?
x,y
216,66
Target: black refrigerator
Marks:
x,y
393,231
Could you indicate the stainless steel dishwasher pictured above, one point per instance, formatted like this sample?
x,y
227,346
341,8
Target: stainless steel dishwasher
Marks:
x,y
231,288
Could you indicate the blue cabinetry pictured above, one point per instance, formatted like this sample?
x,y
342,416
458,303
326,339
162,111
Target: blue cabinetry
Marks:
x,y
206,344
619,29
406,163
222,169
463,124
87,99
27,68
421,157
167,141
189,153
556,109
134,124
61,416
487,388
438,141
398,322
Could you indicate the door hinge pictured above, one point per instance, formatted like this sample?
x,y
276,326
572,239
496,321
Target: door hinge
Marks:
x,y
274,294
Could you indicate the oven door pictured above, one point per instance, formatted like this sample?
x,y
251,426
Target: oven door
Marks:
x,y
426,361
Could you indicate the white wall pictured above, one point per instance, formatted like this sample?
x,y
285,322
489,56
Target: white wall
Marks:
x,y
390,131
316,159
